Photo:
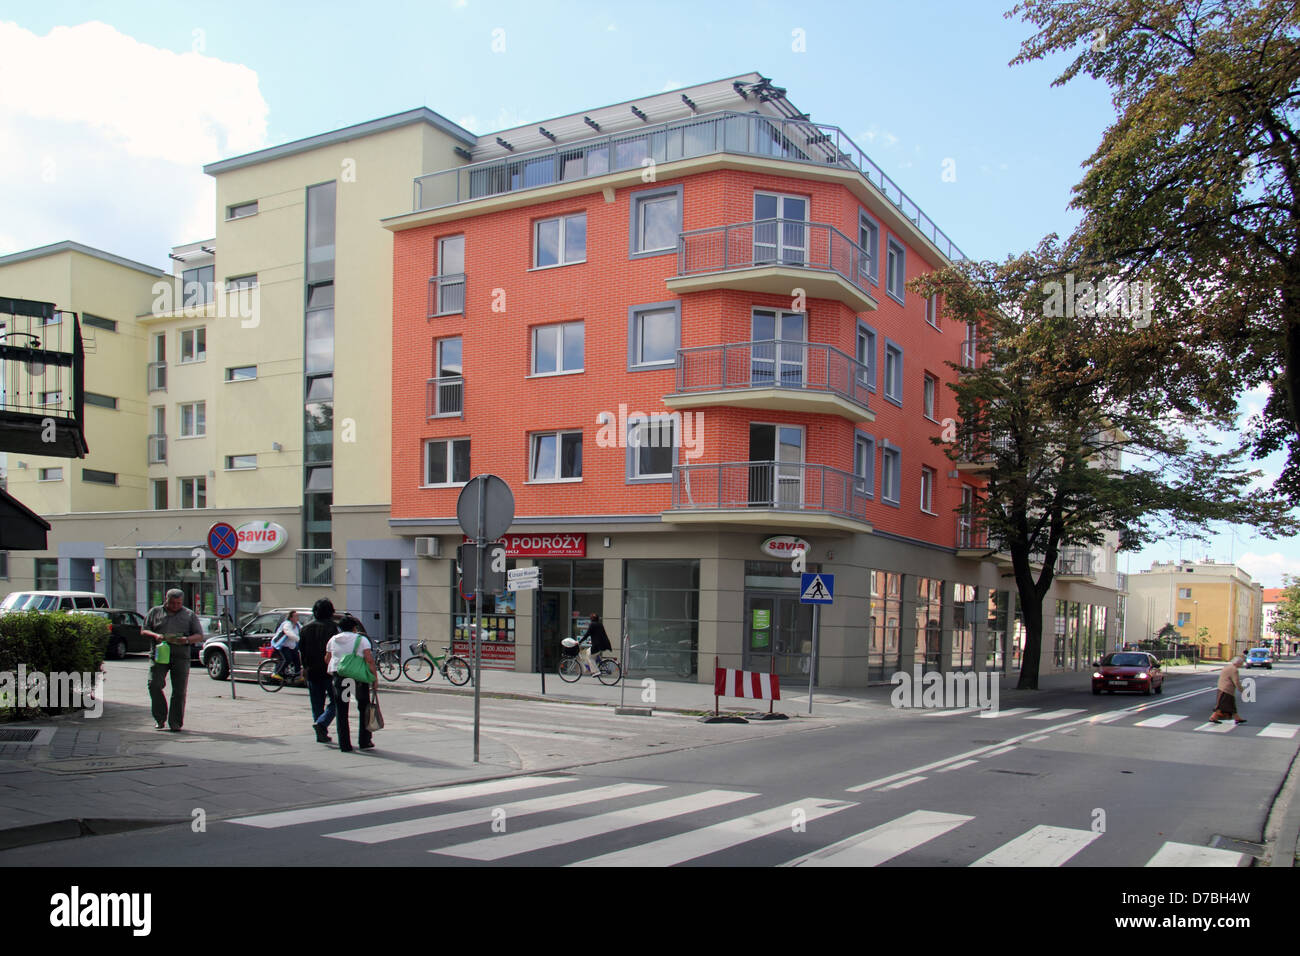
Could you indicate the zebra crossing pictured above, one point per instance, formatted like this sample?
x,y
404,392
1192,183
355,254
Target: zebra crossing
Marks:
x,y
580,822
1275,730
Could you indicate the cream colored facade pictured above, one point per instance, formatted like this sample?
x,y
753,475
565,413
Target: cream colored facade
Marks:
x,y
1221,598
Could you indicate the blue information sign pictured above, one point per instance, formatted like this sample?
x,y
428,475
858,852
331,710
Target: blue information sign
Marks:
x,y
817,588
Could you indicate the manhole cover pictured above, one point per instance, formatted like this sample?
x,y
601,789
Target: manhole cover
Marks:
x,y
103,764
15,735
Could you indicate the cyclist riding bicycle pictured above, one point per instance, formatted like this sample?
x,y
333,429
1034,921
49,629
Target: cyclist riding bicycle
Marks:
x,y
599,642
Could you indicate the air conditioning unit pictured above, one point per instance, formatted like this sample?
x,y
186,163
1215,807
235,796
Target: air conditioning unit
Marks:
x,y
428,548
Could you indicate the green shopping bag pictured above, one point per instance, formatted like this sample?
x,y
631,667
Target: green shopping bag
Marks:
x,y
354,665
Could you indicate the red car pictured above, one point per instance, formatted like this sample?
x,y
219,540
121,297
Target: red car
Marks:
x,y
1128,670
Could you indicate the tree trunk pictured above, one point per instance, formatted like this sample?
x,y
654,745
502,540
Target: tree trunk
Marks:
x,y
1031,613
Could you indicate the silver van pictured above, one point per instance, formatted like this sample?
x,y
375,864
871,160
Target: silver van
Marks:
x,y
53,601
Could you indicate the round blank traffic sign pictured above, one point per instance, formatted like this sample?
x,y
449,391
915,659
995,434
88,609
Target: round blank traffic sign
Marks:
x,y
497,507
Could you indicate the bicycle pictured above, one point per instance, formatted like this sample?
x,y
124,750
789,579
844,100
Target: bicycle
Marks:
x,y
269,676
388,658
421,665
608,670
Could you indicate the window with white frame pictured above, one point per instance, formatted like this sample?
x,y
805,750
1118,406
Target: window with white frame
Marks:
x,y
159,494
893,373
242,210
931,395
864,464
560,241
194,422
654,335
449,378
895,269
891,467
451,275
555,456
932,310
927,490
240,462
651,446
194,345
50,474
558,348
446,461
241,373
656,219
1184,592
194,493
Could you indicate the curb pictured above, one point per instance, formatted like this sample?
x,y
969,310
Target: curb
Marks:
x,y
53,830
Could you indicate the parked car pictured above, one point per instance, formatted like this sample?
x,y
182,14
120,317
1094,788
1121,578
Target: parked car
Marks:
x,y
53,601
1128,670
1259,657
246,642
124,632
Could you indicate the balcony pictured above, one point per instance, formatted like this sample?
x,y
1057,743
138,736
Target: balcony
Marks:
x,y
157,449
776,256
446,295
42,381
813,145
786,375
157,377
979,456
766,494
1072,563
1075,564
315,568
446,396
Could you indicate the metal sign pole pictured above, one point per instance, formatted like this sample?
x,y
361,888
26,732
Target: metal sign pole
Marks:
x,y
478,610
812,665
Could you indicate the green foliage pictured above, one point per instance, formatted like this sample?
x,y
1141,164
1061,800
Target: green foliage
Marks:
x,y
50,643
1286,620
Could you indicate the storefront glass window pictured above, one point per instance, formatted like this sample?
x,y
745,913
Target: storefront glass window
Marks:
x,y
929,621
121,583
886,611
662,601
963,626
571,592
498,634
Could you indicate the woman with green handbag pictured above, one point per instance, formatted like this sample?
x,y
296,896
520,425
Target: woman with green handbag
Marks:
x,y
351,666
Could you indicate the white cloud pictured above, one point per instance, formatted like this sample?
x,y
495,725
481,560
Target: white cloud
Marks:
x,y
671,85
1267,569
106,136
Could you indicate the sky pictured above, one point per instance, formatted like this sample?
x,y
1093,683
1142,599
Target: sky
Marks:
x,y
109,110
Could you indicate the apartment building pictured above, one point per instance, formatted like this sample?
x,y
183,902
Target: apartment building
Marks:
x,y
1194,596
679,328
250,386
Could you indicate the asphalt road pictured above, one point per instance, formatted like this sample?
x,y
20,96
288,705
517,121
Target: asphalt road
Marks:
x,y
1069,780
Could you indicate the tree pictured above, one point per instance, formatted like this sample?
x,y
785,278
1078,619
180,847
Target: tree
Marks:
x,y
1286,620
1196,185
1168,634
1062,387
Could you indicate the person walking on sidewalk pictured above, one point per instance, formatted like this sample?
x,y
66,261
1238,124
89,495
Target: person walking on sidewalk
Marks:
x,y
1229,679
312,640
173,628
349,640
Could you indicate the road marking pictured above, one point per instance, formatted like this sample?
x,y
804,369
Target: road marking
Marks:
x,y
1188,854
1000,751
1220,728
903,783
401,801
1285,731
958,766
485,816
881,844
1057,714
1013,712
1110,718
1162,720
1034,740
951,713
721,836
1041,846
522,729
525,841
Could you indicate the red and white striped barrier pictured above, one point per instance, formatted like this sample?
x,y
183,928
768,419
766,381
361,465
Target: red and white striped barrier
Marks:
x,y
751,684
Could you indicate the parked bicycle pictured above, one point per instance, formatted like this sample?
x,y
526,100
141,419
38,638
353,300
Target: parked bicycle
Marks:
x,y
608,670
421,665
388,658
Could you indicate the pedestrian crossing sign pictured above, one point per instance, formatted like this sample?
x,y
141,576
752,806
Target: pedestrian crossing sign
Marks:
x,y
817,589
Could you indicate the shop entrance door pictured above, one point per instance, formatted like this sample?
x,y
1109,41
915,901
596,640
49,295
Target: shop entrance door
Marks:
x,y
553,625
778,635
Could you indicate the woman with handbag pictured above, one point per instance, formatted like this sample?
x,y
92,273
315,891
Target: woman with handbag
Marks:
x,y
350,664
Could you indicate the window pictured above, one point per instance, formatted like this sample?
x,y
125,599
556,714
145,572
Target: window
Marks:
x,y
235,283
651,444
1184,618
98,322
932,310
51,398
927,490
1184,592
931,395
101,401
241,373
655,219
895,270
196,285
558,348
242,210
159,494
194,493
869,240
653,335
560,241
893,373
50,474
238,462
555,456
99,477
47,574
194,345
194,420
867,356
446,461
449,383
451,276
864,464
890,473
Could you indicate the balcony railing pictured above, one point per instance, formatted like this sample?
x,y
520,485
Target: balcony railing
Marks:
x,y
970,536
446,396
157,449
778,486
447,295
789,243
806,366
157,376
1074,562
1000,445
744,134
315,568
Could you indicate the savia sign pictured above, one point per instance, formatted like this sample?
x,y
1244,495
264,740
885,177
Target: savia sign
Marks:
x,y
785,545
261,537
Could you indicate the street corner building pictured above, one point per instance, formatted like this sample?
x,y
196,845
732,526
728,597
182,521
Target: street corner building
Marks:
x,y
679,327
